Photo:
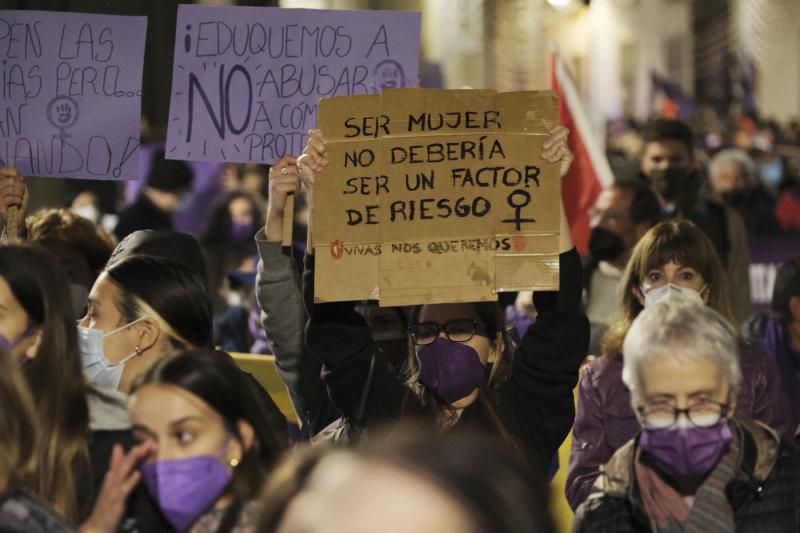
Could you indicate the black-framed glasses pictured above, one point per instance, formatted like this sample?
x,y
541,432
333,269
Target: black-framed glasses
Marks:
x,y
702,414
458,330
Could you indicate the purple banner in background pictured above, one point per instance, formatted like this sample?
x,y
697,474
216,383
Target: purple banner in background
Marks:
x,y
71,93
246,80
766,255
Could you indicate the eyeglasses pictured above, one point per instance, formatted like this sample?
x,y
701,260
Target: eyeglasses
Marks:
x,y
459,330
599,215
701,414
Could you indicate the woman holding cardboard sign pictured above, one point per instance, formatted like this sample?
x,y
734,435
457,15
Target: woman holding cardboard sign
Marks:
x,y
462,367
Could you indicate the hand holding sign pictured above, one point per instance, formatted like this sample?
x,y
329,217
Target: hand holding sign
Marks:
x,y
556,149
284,183
314,158
13,201
437,196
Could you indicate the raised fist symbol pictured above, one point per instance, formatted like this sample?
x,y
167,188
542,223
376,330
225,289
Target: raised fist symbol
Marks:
x,y
64,113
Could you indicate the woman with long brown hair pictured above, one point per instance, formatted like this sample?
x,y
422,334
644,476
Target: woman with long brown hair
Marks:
x,y
37,321
674,260
37,327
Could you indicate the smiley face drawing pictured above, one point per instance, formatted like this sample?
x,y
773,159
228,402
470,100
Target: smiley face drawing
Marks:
x,y
388,74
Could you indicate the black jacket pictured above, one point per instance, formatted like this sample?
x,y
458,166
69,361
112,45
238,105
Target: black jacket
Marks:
x,y
764,495
536,402
142,214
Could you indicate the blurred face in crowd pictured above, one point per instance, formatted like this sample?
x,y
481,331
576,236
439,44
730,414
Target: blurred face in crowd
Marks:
x,y
182,425
254,183
15,325
241,211
348,495
87,205
729,177
611,212
230,178
388,330
665,154
467,329
675,274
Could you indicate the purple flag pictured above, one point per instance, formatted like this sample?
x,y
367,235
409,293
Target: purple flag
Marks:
x,y
246,80
71,87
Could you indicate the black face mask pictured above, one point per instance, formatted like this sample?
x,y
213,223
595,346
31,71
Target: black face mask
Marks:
x,y
670,183
735,199
605,245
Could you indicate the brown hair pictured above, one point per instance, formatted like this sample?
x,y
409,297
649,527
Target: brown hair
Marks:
x,y
497,490
492,319
672,240
55,375
18,429
72,230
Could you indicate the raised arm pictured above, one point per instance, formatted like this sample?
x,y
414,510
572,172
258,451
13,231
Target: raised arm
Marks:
x,y
360,381
546,363
279,293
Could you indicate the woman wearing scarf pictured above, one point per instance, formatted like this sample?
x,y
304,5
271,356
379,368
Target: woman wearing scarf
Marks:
x,y
695,466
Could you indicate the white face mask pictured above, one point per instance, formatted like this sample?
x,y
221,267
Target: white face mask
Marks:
x,y
89,212
96,366
672,292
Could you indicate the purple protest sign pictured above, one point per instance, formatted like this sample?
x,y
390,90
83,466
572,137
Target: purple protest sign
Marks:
x,y
246,80
71,87
766,255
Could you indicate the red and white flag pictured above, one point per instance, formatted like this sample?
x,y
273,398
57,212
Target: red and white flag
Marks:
x,y
590,173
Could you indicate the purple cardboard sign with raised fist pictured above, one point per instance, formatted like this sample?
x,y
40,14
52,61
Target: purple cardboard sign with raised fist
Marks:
x,y
71,93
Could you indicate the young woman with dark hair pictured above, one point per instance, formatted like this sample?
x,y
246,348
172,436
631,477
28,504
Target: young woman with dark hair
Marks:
x,y
20,508
214,441
37,322
227,241
141,309
74,447
462,367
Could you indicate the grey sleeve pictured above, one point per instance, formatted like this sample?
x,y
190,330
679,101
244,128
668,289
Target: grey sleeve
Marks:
x,y
279,293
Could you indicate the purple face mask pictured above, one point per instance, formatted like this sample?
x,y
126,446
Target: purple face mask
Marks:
x,y
241,232
450,370
683,452
186,488
5,344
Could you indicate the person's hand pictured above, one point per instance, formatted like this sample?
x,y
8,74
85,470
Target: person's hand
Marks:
x,y
314,158
13,193
122,476
556,150
284,179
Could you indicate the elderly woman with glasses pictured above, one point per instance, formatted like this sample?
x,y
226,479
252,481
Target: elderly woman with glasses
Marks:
x,y
694,466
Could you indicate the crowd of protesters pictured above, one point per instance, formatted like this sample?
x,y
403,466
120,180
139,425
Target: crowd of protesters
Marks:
x,y
122,409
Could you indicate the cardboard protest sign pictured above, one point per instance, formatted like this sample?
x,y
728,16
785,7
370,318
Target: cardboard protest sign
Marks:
x,y
434,196
71,93
246,80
